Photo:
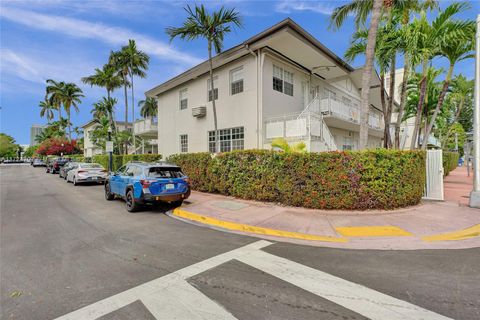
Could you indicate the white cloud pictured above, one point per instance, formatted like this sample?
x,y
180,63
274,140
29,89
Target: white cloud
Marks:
x,y
108,34
23,67
289,6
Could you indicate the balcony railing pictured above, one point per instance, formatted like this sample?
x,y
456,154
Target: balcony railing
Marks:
x,y
147,126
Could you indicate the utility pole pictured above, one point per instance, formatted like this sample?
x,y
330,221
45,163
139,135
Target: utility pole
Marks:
x,y
475,194
109,149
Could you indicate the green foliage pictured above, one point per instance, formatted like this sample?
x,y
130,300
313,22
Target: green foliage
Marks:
x,y
282,144
380,179
30,151
122,159
8,147
450,161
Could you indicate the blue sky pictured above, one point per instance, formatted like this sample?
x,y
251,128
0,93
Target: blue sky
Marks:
x,y
66,40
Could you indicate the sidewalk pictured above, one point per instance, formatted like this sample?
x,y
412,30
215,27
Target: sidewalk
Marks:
x,y
431,225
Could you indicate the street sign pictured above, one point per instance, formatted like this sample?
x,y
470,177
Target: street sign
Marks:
x,y
109,146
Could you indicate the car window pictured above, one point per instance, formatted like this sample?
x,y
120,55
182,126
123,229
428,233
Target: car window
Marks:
x,y
121,171
130,171
165,172
91,165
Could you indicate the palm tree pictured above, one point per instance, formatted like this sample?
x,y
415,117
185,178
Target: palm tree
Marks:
x,y
462,90
426,40
107,78
70,96
137,62
455,50
282,144
118,62
148,107
212,27
105,108
53,95
46,110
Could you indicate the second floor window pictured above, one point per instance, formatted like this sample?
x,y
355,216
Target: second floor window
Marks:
x,y
209,88
282,80
183,96
236,81
184,143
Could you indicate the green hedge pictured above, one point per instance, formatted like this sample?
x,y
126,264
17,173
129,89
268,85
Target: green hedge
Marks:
x,y
380,179
450,161
120,160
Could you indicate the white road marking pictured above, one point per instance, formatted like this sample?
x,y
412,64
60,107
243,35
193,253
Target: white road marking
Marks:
x,y
155,287
172,297
367,302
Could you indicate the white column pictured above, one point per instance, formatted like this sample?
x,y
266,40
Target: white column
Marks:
x,y
475,194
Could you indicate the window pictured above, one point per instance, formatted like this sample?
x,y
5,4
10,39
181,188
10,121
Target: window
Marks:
x,y
236,81
209,88
183,96
184,143
282,80
162,172
229,139
130,171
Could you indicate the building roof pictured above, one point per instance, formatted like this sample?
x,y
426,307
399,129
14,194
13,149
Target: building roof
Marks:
x,y
245,48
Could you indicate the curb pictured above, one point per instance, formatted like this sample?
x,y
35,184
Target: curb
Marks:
x,y
233,226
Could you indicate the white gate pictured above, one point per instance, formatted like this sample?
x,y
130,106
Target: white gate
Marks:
x,y
434,181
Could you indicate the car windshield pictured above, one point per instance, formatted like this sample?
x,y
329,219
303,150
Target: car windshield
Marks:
x,y
165,172
91,166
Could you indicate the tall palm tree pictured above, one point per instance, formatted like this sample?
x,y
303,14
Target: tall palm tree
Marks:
x,y
70,97
425,39
455,50
137,62
105,108
120,64
212,27
46,110
148,107
107,78
53,95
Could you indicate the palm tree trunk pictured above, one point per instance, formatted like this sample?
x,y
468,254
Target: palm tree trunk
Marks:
x,y
69,126
457,114
215,124
367,73
418,117
133,117
403,100
126,108
391,99
384,106
439,105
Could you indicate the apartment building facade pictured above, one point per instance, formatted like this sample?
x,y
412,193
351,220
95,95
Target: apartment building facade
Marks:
x,y
280,83
89,148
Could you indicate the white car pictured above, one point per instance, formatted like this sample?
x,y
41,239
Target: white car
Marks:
x,y
87,172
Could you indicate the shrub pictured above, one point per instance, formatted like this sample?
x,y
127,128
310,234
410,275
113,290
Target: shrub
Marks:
x,y
57,146
450,161
380,179
120,160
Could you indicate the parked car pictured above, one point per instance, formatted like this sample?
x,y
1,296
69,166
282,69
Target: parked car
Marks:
x,y
86,172
38,163
67,167
54,165
140,183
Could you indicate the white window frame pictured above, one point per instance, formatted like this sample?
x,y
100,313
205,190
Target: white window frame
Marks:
x,y
229,139
240,80
184,143
287,80
183,96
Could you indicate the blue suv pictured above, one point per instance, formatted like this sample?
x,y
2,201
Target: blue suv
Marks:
x,y
141,183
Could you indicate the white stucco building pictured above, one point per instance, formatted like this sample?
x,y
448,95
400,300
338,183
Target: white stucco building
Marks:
x,y
281,82
89,149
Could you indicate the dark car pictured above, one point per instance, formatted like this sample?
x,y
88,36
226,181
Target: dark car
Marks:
x,y
66,167
141,183
38,163
54,165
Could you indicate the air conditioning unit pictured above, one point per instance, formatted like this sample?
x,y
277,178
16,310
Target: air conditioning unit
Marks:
x,y
199,111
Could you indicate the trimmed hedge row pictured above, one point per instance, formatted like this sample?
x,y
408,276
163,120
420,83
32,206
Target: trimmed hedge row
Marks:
x,y
450,161
380,179
122,159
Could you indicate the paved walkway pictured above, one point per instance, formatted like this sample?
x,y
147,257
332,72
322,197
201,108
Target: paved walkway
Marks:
x,y
446,224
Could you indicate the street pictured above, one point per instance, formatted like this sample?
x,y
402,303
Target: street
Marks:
x,y
64,248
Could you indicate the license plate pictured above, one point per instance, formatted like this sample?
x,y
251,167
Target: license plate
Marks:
x,y
169,186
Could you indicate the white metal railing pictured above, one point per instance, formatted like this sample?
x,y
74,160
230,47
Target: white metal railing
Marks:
x,y
147,125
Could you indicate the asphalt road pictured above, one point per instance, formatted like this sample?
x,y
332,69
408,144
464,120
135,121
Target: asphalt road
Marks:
x,y
65,247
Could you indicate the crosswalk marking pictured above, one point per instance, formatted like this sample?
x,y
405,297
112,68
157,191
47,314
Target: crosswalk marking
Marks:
x,y
172,297
367,302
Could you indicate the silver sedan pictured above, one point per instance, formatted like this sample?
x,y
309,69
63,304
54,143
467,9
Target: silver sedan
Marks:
x,y
87,172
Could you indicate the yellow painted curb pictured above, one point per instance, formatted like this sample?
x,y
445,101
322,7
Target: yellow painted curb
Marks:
x,y
372,231
468,233
252,229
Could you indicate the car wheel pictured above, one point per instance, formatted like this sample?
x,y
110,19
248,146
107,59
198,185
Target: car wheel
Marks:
x,y
132,205
108,194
